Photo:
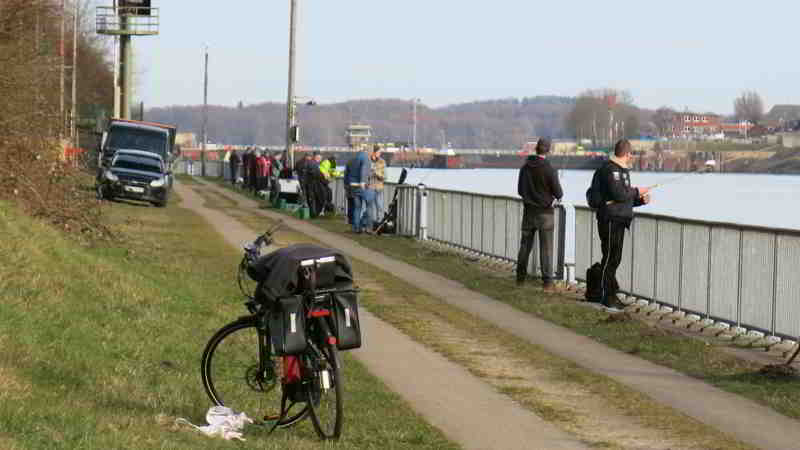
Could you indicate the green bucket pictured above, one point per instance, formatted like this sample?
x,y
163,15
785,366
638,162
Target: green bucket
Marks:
x,y
303,213
282,203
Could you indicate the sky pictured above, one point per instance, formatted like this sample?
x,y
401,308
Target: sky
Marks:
x,y
696,55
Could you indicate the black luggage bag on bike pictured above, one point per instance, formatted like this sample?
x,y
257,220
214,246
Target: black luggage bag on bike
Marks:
x,y
345,318
287,326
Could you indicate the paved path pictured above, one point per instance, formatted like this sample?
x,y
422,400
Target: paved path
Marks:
x,y
467,410
741,418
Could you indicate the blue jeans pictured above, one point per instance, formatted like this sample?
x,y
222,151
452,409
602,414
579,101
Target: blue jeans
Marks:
x,y
369,219
378,213
358,207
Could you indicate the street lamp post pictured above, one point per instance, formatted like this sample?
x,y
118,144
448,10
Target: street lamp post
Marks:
x,y
290,99
414,130
205,117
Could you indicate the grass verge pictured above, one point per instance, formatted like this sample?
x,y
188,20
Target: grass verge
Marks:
x,y
699,358
695,357
101,346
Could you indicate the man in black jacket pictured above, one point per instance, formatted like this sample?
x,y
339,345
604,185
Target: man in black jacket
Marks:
x,y
616,215
539,188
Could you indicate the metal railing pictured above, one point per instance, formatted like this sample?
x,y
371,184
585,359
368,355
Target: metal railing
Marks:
x,y
741,275
484,224
128,20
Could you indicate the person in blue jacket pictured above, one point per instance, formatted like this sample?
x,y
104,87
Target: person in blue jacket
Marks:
x,y
356,176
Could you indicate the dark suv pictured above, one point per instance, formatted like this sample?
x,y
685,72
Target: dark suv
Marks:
x,y
137,175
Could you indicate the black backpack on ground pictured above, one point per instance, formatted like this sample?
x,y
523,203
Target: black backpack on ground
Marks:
x,y
594,289
594,196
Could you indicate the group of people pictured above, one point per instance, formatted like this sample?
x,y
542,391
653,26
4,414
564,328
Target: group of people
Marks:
x,y
540,189
364,176
314,174
257,170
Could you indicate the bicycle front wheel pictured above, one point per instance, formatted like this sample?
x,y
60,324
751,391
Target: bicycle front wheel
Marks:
x,y
234,376
325,390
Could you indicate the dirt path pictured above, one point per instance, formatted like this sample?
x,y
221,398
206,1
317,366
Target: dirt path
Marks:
x,y
466,409
747,421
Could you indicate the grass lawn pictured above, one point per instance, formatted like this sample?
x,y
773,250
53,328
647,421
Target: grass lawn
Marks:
x,y
703,359
692,356
471,341
101,345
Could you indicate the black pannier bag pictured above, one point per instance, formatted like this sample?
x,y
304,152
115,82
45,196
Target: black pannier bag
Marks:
x,y
594,288
287,326
345,319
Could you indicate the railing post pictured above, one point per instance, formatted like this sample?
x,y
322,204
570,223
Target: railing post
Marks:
x,y
422,212
561,241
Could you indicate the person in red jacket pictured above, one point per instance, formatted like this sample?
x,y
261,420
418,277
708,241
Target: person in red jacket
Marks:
x,y
261,171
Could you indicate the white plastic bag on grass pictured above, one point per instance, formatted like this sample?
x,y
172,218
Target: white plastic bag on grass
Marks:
x,y
222,422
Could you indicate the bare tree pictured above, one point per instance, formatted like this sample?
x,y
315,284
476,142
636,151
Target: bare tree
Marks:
x,y
749,106
662,119
596,108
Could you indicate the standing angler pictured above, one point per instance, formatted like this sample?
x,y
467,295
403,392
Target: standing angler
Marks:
x,y
539,188
614,216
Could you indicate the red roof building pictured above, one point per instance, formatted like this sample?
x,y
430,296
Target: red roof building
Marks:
x,y
693,124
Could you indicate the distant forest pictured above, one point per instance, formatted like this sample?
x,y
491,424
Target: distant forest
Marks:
x,y
504,123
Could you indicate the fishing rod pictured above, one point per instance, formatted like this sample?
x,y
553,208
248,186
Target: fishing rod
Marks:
x,y
674,179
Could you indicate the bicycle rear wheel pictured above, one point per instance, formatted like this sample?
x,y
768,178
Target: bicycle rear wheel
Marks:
x,y
325,390
232,376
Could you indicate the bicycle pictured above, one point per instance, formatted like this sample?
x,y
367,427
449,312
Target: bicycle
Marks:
x,y
247,367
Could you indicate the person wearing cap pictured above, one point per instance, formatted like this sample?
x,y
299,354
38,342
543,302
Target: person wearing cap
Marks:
x,y
375,185
540,189
274,179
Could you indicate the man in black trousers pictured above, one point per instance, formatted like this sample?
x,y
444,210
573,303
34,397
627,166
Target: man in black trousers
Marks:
x,y
615,216
539,188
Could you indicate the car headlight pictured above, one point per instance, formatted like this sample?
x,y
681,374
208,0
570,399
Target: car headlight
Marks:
x,y
158,183
110,176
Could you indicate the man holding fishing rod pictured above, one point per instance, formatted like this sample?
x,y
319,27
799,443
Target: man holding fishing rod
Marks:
x,y
613,197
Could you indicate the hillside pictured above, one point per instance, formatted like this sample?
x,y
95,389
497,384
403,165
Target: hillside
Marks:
x,y
505,123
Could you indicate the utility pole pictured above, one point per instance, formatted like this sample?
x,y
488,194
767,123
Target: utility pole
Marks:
x,y
62,68
74,115
414,133
290,107
125,67
125,19
205,119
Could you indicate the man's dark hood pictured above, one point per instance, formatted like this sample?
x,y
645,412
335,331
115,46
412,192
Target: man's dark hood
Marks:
x,y
534,161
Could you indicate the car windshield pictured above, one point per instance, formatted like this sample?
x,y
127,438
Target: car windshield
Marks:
x,y
140,164
138,139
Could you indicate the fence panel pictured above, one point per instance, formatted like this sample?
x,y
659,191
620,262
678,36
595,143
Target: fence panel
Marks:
x,y
456,218
668,262
447,217
644,256
430,211
725,268
477,223
625,267
787,298
694,273
488,225
757,282
513,227
584,218
467,219
499,218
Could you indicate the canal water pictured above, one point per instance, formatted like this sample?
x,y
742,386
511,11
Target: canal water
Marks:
x,y
748,199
